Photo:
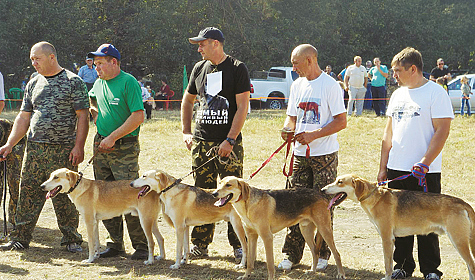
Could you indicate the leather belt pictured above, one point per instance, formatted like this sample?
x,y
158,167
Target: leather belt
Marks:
x,y
129,139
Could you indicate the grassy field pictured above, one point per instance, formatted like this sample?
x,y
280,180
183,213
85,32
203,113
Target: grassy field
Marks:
x,y
162,148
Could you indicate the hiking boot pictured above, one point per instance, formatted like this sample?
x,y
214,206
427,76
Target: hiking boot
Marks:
x,y
140,254
197,252
322,264
74,248
110,252
14,246
432,276
285,265
238,255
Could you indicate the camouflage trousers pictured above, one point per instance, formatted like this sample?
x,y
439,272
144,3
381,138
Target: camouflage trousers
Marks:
x,y
314,172
206,178
40,160
121,164
14,161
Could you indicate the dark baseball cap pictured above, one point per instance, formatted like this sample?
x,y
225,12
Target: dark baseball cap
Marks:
x,y
105,50
208,33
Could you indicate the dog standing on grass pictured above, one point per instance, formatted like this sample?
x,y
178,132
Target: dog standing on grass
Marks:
x,y
265,212
98,200
398,213
184,206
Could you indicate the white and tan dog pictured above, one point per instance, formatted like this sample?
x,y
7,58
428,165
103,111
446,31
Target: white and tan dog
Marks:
x,y
184,206
265,212
398,213
101,200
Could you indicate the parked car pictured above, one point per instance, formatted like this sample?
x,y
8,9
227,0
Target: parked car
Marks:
x,y
272,89
455,93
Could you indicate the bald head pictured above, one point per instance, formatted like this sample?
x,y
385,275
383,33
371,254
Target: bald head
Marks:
x,y
305,50
304,61
45,48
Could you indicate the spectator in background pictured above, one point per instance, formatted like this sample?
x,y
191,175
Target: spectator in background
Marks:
x,y
88,73
440,71
328,70
2,93
162,94
356,79
378,74
368,98
465,88
341,78
147,102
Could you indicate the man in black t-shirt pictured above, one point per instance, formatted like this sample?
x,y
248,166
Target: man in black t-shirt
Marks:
x,y
440,71
221,85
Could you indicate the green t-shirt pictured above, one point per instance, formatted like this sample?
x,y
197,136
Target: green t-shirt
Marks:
x,y
116,99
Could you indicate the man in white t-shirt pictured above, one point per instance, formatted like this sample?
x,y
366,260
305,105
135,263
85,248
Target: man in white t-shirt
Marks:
x,y
315,113
356,79
419,116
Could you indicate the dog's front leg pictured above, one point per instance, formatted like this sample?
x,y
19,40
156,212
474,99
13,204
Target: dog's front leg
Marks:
x,y
97,243
160,241
388,238
239,230
90,226
251,252
186,245
180,236
267,238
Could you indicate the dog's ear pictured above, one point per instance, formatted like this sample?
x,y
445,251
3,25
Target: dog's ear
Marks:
x,y
162,178
244,189
360,186
72,177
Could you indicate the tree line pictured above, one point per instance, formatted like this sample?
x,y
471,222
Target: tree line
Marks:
x,y
152,35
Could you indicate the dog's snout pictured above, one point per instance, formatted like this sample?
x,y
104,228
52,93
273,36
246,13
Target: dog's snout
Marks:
x,y
132,184
215,194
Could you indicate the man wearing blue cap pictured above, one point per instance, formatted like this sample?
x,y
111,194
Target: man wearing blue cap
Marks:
x,y
117,109
221,84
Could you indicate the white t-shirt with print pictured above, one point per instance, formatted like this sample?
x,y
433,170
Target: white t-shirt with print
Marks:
x,y
412,111
314,103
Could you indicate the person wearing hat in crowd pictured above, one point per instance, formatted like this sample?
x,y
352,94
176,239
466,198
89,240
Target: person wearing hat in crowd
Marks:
x,y
118,112
222,86
88,73
54,113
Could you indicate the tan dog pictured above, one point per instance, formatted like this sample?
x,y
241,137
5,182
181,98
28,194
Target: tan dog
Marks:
x,y
101,200
398,213
265,212
184,206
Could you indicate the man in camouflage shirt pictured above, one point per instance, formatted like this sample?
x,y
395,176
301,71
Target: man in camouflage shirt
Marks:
x,y
55,110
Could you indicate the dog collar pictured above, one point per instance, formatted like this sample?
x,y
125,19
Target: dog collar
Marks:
x,y
368,195
75,185
239,198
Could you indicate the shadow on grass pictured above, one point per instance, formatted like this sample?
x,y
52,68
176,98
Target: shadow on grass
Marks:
x,y
7,269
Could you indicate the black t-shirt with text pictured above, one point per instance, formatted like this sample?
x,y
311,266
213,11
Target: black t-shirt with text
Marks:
x,y
215,114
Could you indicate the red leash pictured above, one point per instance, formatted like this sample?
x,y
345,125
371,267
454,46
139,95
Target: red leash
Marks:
x,y
288,143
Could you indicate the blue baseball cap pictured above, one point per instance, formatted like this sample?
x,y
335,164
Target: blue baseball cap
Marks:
x,y
208,33
105,50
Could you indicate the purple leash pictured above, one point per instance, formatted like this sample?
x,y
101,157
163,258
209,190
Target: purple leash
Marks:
x,y
420,175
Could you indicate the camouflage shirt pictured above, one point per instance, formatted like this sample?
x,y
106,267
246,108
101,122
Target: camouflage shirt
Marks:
x,y
53,102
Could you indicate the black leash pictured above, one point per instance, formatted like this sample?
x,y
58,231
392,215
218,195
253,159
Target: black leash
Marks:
x,y
178,181
4,190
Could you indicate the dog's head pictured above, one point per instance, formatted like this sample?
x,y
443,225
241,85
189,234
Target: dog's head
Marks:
x,y
350,186
60,181
153,180
231,189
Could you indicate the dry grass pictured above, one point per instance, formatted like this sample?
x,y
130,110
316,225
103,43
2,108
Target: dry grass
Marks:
x,y
162,148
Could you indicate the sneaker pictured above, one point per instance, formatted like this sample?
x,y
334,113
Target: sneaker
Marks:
x,y
432,276
198,252
322,264
238,255
74,248
13,246
140,254
399,273
285,265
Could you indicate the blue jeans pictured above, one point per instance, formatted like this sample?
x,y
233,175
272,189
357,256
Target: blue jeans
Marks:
x,y
468,107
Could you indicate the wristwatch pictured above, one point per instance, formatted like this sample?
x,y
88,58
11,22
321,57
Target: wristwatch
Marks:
x,y
231,141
